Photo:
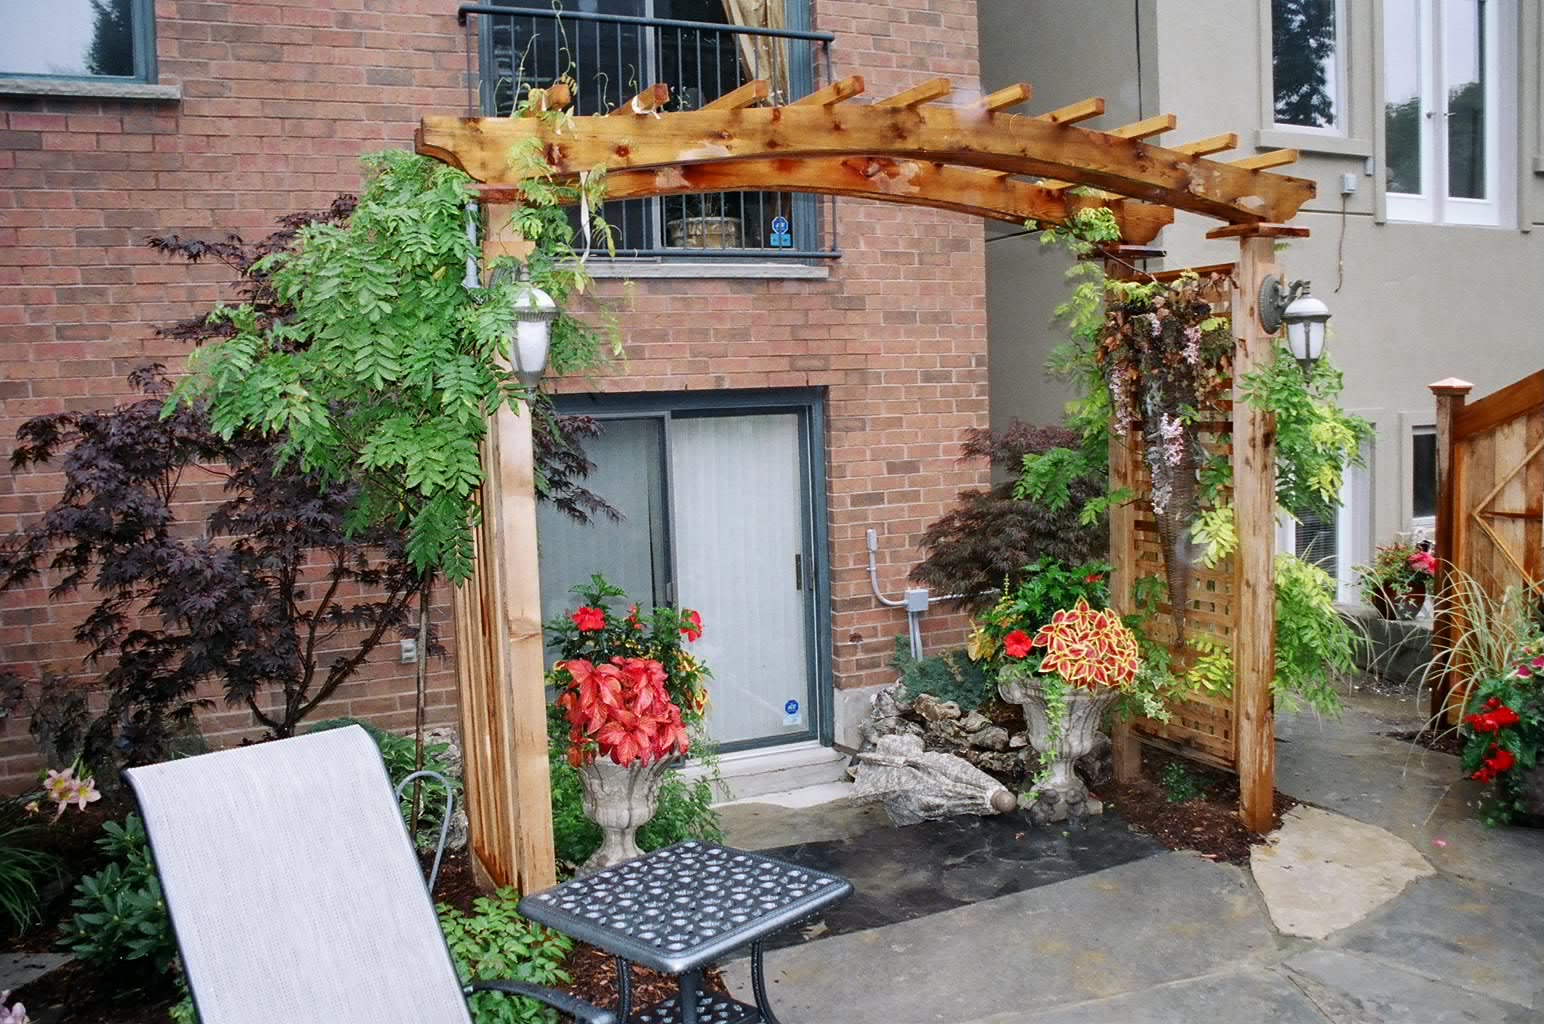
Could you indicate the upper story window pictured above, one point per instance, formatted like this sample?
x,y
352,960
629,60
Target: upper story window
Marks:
x,y
78,39
609,50
1307,64
1446,116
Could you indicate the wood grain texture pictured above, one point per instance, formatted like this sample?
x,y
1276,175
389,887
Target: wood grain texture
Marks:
x,y
1026,146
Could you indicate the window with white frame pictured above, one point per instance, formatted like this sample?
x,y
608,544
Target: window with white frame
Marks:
x,y
1307,65
1445,113
1330,541
1423,479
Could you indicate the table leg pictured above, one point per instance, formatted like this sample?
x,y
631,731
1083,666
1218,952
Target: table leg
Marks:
x,y
759,985
691,986
624,990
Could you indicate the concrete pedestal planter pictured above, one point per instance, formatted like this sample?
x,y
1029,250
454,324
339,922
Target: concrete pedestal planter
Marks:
x,y
1060,740
621,801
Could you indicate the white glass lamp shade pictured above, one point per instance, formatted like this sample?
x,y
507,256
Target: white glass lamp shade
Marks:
x,y
534,313
1305,318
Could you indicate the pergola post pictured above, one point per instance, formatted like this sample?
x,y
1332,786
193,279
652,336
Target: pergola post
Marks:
x,y
499,663
1450,395
1254,508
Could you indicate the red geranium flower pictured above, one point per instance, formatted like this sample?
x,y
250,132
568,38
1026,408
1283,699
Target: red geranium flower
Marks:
x,y
693,629
1016,644
1424,562
589,620
1093,577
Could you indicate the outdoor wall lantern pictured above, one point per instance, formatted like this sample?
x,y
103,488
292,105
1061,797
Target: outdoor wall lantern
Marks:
x,y
534,312
1304,315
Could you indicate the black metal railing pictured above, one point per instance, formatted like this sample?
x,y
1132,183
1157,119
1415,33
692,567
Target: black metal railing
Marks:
x,y
609,56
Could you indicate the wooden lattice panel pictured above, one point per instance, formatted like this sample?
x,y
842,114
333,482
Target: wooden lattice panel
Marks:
x,y
1202,725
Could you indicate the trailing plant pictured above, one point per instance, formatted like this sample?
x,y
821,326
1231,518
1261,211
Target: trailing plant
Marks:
x,y
400,756
120,921
949,676
992,535
1315,644
495,943
1504,733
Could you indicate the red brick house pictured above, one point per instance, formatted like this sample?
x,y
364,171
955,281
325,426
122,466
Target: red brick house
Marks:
x,y
798,372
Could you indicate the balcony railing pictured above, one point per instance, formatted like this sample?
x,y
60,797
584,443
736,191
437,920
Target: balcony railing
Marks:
x,y
611,57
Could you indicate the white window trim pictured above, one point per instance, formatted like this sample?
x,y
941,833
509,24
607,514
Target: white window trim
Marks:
x,y
1426,525
1341,86
1433,205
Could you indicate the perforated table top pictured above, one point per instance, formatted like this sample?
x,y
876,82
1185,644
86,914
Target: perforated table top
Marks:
x,y
680,908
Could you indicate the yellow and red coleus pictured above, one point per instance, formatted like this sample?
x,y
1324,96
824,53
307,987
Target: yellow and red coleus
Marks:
x,y
620,710
1088,648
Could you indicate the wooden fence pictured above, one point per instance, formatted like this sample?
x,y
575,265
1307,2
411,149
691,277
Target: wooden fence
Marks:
x,y
1490,501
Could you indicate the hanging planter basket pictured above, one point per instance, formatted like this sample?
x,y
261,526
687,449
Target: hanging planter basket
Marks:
x,y
1166,357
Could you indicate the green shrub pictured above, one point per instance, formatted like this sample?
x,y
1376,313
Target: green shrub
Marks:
x,y
495,943
23,867
400,755
685,808
120,920
1180,783
950,675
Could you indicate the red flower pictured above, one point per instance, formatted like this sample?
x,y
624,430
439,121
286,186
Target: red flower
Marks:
x,y
1500,762
1424,562
1505,716
620,710
632,618
589,620
1016,644
693,629
1495,720
1093,577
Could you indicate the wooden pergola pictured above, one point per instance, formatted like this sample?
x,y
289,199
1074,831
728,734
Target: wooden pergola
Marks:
x,y
922,147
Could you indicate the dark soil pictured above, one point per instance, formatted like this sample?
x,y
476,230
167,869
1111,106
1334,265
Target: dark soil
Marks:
x,y
1208,824
1443,741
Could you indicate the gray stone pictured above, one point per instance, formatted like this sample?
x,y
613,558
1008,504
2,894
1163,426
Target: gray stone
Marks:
x,y
1351,989
1018,741
1322,872
18,969
933,709
916,785
1481,938
993,737
1161,919
975,722
456,838
1254,996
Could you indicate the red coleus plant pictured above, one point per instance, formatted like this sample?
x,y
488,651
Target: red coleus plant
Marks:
x,y
620,710
1088,648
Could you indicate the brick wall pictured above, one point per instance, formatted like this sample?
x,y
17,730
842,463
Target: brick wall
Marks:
x,y
279,99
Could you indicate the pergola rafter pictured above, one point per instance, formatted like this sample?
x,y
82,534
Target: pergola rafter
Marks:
x,y
911,127
971,157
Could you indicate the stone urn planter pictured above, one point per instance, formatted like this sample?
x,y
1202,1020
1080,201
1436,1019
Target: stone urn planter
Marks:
x,y
704,233
1062,795
621,801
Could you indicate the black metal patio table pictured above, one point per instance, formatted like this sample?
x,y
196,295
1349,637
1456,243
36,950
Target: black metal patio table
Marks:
x,y
676,911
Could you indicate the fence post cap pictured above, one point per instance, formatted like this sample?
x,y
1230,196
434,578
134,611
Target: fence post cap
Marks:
x,y
1451,386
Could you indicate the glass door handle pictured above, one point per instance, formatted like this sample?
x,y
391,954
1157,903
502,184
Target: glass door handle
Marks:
x,y
798,571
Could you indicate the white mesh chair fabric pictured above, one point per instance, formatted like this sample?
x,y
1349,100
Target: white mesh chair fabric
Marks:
x,y
293,886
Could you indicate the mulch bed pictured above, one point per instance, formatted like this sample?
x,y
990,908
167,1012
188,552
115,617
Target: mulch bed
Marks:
x,y
1443,741
1208,824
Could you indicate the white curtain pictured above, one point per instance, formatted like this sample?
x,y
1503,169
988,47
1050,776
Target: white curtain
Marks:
x,y
763,56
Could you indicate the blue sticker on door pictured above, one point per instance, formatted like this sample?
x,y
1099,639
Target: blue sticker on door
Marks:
x,y
791,715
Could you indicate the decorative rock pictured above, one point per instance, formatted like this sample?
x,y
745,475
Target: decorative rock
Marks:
x,y
933,709
456,839
1018,741
1322,872
917,785
975,722
993,737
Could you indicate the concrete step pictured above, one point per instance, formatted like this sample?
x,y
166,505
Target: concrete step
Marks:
x,y
746,774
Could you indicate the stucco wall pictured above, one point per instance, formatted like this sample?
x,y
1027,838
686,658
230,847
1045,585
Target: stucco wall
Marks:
x,y
1412,303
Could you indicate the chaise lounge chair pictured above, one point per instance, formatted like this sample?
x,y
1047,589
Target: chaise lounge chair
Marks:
x,y
295,892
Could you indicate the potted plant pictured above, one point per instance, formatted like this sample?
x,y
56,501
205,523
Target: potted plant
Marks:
x,y
1396,582
631,694
1504,732
1057,651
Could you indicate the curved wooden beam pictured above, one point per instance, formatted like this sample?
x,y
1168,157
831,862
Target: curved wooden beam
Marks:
x,y
913,182
1003,142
